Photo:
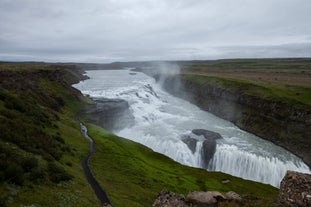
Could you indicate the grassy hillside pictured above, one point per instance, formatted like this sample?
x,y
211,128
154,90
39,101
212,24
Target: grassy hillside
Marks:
x,y
41,144
133,174
42,148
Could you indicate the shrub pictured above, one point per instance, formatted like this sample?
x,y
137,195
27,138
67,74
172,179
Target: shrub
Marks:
x,y
29,163
15,174
38,174
57,173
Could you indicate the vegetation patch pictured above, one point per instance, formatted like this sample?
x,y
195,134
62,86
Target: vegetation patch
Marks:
x,y
41,146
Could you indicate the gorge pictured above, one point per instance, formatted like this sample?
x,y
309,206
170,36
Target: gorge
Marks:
x,y
161,121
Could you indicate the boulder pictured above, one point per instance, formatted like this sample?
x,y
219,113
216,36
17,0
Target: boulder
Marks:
x,y
204,199
170,199
295,189
231,195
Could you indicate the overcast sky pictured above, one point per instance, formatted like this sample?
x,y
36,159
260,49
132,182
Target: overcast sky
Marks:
x,y
129,30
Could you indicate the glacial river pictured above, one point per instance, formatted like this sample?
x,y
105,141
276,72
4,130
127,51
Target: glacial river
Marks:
x,y
162,120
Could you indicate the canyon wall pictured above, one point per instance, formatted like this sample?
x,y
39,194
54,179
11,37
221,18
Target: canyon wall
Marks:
x,y
275,121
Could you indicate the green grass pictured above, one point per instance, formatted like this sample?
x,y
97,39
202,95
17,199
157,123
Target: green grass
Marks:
x,y
297,96
133,175
290,65
37,108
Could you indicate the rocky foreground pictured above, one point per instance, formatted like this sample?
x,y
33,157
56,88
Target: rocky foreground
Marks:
x,y
295,191
194,198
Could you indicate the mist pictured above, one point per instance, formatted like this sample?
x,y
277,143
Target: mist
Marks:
x,y
168,76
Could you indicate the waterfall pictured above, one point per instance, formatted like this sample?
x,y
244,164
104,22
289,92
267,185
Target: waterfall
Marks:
x,y
162,120
270,170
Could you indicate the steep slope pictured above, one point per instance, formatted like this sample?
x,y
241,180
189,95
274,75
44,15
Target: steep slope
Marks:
x,y
41,144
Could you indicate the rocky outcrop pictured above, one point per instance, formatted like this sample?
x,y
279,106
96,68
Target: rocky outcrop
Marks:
x,y
209,145
275,121
194,199
111,114
295,189
170,199
191,142
207,134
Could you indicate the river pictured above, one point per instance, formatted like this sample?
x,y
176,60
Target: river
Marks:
x,y
162,120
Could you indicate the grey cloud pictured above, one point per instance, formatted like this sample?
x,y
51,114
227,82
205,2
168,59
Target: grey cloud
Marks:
x,y
110,30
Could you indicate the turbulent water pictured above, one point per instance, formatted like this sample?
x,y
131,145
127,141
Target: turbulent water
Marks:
x,y
161,120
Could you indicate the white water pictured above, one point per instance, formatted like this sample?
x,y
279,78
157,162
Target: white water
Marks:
x,y
161,119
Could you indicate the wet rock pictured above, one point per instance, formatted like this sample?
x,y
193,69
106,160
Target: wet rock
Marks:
x,y
191,142
209,145
112,114
170,199
208,151
295,189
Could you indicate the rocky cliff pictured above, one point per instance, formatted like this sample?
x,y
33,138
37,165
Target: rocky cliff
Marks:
x,y
275,121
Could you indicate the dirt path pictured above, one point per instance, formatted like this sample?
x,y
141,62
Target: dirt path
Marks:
x,y
100,193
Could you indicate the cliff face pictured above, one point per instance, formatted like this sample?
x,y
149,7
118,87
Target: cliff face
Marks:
x,y
275,121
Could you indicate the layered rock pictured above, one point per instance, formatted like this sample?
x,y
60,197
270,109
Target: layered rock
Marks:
x,y
295,189
275,121
111,114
